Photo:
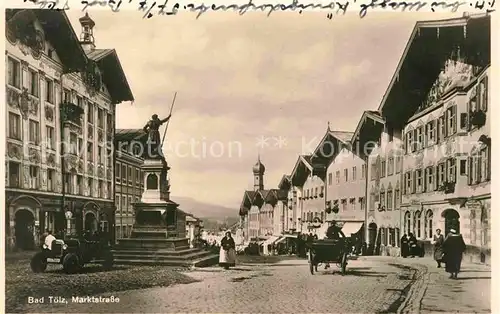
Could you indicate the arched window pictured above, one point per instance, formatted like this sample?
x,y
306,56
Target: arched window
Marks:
x,y
428,224
407,223
417,224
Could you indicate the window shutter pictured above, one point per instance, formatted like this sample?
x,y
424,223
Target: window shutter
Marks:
x,y
470,175
436,176
485,102
414,182
477,162
463,120
479,98
488,162
445,123
424,179
454,115
437,132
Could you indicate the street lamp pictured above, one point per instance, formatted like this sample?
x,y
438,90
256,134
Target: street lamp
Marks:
x,y
68,215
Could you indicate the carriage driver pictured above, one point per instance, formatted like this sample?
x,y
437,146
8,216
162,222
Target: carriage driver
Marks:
x,y
334,233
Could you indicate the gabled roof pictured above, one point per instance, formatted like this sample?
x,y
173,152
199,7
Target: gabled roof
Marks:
x,y
428,48
284,182
368,114
113,75
247,202
329,146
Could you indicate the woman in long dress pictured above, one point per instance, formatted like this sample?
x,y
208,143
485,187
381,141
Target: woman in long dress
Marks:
x,y
453,247
227,254
404,246
437,241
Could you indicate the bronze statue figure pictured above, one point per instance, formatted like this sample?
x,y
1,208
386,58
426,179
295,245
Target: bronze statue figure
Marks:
x,y
154,141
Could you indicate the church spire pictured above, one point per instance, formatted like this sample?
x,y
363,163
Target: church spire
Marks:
x,y
258,175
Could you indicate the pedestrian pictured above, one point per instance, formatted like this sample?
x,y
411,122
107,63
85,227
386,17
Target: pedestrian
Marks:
x,y
48,240
437,241
453,248
404,246
227,254
412,244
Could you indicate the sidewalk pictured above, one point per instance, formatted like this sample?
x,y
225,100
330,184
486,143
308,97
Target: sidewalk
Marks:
x,y
470,293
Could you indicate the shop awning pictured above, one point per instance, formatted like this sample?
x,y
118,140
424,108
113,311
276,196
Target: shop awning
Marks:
x,y
351,228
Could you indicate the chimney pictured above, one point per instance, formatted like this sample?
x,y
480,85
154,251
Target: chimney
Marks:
x,y
87,35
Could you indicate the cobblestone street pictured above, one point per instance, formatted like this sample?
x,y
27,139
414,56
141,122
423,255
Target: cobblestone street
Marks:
x,y
370,286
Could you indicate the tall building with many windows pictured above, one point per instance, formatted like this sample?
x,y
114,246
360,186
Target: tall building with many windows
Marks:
x,y
61,95
129,183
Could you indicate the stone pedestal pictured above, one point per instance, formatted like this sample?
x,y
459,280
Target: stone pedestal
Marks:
x,y
159,233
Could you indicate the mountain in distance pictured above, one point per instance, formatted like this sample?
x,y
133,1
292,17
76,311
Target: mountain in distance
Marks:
x,y
205,210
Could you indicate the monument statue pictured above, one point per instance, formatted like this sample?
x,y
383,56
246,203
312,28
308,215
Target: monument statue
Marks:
x,y
154,140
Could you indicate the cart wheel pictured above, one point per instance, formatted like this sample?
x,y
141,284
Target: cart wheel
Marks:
x,y
343,264
311,264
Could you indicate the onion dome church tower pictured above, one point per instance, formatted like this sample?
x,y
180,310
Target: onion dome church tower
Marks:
x,y
258,175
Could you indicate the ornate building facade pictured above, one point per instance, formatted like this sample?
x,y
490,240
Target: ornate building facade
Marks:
x,y
446,134
61,94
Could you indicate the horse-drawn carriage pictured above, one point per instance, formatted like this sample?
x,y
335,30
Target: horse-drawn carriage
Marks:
x,y
329,251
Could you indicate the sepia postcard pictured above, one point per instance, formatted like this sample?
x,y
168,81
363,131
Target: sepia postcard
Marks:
x,y
249,157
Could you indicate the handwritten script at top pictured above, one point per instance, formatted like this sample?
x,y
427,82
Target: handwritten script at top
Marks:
x,y
151,8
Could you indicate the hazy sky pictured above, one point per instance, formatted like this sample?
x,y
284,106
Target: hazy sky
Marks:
x,y
239,78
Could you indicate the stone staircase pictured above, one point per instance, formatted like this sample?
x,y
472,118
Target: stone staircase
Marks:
x,y
185,257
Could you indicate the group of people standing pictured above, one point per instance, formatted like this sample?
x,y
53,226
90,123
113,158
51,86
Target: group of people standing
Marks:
x,y
448,250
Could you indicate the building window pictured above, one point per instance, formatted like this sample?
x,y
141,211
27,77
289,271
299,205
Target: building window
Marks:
x,y
68,183
316,192
90,183
483,94
109,186
14,174
14,126
90,151
363,171
79,185
100,156
428,224
346,175
130,175
429,177
34,132
138,177
441,174
117,202
452,170
33,83
441,126
417,224
409,142
51,175
100,189
397,198
100,118
451,120
389,200
480,166
66,95
399,165
392,237
130,206
390,166
322,191
14,73
382,199
408,183
49,91
383,236
362,202
419,138
337,177
463,167
429,134
34,177
330,178
383,169
407,223
344,205
353,173
124,174
51,140
419,180
124,203
90,113
352,202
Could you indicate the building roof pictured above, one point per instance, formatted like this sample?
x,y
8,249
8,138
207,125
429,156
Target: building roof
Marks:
x,y
430,45
259,198
343,136
112,74
284,182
